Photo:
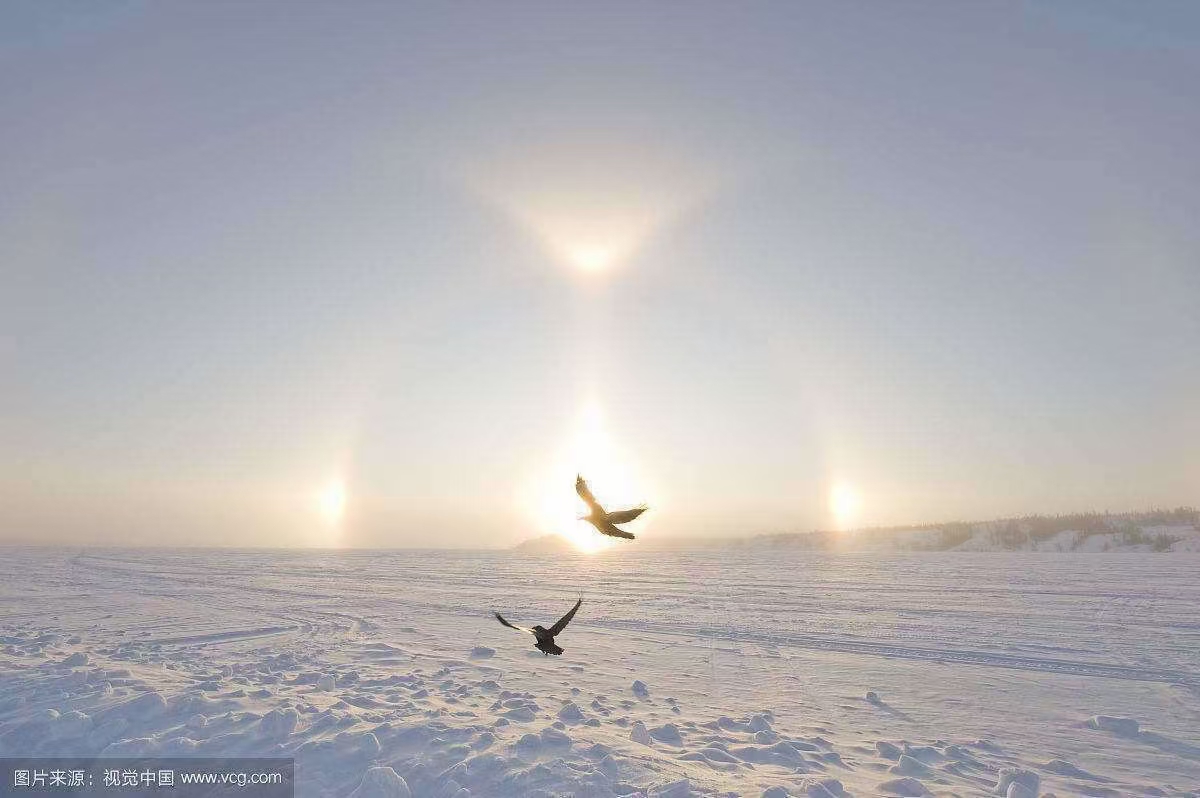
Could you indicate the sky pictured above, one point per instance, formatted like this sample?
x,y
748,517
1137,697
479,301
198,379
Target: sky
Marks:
x,y
379,274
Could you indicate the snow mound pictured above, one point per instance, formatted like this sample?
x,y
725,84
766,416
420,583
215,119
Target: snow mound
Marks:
x,y
667,733
1061,767
1023,781
529,742
820,787
910,766
381,782
145,705
1126,727
888,751
905,788
276,723
553,736
676,789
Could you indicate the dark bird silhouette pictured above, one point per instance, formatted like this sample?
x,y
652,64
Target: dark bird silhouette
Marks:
x,y
604,521
545,637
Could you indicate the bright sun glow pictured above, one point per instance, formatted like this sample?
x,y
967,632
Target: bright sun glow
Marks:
x,y
845,502
591,259
331,501
592,207
611,477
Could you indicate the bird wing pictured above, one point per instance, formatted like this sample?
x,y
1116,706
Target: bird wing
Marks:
x,y
585,493
500,618
566,619
624,516
613,532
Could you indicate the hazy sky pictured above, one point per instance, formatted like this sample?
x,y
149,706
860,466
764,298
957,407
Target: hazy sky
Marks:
x,y
389,274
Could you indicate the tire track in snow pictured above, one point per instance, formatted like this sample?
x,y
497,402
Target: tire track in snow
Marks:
x,y
954,656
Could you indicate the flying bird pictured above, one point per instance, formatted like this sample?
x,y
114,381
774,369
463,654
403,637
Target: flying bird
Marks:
x,y
545,637
604,521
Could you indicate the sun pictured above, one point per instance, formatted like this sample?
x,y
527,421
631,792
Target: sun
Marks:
x,y
610,474
331,501
591,258
845,502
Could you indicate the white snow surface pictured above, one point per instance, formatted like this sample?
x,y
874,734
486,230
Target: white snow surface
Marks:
x,y
989,673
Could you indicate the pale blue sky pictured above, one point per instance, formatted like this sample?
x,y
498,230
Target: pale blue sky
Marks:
x,y
943,254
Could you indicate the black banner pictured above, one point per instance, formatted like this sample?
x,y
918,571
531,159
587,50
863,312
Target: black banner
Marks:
x,y
147,777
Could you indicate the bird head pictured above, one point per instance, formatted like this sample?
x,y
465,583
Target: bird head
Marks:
x,y
540,629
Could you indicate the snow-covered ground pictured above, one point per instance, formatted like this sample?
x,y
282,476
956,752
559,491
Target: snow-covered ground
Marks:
x,y
765,673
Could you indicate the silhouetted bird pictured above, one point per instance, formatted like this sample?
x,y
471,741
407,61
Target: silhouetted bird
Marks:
x,y
601,519
545,637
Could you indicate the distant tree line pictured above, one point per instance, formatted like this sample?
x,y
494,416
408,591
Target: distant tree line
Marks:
x,y
1005,533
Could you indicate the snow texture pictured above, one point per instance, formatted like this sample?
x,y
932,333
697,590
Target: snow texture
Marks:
x,y
793,674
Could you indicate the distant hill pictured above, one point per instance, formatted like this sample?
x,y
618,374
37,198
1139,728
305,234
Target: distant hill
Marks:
x,y
1152,531
1175,530
547,544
